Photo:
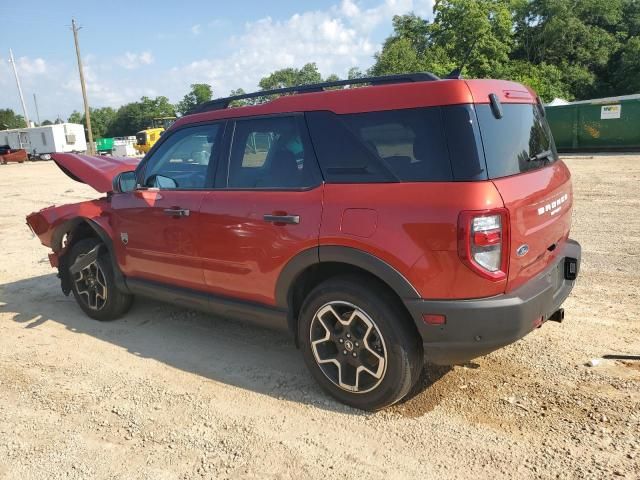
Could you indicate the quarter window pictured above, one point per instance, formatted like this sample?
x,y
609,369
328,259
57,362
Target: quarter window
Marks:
x,y
389,146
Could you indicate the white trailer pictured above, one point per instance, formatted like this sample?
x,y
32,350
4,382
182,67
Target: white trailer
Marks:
x,y
40,142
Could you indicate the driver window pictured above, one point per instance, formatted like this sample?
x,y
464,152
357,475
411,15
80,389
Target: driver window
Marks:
x,y
182,160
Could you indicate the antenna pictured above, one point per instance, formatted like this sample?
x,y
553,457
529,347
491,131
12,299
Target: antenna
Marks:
x,y
456,73
15,73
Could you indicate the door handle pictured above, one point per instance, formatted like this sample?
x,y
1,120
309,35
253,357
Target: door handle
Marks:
x,y
291,219
177,212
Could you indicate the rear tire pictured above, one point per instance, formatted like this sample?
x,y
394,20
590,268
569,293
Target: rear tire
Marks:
x,y
94,288
358,342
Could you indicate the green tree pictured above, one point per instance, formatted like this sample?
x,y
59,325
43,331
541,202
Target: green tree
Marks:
x,y
47,122
242,102
412,28
547,80
398,56
200,93
561,48
355,73
291,77
9,119
75,117
135,116
101,119
626,73
481,29
580,38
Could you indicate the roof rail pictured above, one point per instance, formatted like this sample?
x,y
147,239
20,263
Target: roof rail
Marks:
x,y
222,103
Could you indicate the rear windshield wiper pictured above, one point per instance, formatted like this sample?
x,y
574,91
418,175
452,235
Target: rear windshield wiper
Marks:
x,y
541,156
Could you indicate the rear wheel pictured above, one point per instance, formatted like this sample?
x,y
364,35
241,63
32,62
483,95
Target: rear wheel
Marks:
x,y
94,286
358,343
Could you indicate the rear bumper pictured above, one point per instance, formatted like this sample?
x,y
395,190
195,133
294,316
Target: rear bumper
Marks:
x,y
476,327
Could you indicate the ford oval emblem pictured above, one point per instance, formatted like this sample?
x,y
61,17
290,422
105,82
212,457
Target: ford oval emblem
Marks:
x,y
522,250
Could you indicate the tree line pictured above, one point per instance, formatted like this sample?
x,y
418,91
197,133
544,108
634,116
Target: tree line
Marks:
x,y
573,49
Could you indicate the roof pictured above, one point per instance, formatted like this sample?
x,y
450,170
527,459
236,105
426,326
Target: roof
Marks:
x,y
377,98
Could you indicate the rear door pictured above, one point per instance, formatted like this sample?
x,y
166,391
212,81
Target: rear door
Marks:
x,y
157,225
534,184
266,207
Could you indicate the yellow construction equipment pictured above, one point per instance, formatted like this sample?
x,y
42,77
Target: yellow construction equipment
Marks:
x,y
145,139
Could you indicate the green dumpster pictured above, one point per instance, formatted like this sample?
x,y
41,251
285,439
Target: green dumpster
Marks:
x,y
104,145
601,124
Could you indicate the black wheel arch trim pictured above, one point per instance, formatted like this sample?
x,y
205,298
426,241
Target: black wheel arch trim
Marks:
x,y
340,254
69,227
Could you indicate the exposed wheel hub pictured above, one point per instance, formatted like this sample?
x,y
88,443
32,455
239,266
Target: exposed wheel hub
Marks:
x,y
348,347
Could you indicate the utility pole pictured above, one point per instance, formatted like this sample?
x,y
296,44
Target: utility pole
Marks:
x,y
15,73
35,100
87,114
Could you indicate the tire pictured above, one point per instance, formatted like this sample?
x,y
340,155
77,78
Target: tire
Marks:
x,y
359,316
94,288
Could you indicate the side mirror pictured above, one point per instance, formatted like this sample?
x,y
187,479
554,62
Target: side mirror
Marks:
x,y
124,182
161,182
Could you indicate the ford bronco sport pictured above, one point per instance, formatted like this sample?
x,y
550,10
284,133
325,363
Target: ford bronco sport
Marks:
x,y
410,219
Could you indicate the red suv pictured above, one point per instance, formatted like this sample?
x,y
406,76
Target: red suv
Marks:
x,y
410,219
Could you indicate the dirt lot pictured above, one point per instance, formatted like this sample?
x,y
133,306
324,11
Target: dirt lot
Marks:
x,y
168,393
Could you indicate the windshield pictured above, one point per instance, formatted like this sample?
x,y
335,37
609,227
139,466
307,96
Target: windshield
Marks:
x,y
141,138
518,142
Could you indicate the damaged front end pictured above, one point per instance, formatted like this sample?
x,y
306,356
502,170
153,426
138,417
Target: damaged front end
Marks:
x,y
59,227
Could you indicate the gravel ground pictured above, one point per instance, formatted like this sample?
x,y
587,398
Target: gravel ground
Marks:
x,y
168,393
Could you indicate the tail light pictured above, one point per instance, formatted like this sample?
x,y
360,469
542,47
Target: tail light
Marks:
x,y
483,242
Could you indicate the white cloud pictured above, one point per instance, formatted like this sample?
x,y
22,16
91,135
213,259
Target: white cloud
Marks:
x,y
268,44
106,92
336,39
36,66
131,60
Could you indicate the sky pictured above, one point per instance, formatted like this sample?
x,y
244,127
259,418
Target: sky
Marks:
x,y
135,48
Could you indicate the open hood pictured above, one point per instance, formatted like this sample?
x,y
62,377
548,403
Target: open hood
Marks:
x,y
96,171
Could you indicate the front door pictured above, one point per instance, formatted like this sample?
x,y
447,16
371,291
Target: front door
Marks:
x,y
267,209
157,225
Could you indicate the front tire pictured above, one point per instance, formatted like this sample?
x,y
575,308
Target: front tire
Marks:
x,y
94,287
359,343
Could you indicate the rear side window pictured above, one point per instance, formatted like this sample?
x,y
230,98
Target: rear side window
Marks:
x,y
518,142
343,157
270,153
409,145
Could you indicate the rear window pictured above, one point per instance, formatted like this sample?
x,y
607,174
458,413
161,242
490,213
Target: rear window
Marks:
x,y
518,142
409,145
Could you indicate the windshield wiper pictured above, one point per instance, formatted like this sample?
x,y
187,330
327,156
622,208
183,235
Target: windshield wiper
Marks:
x,y
541,156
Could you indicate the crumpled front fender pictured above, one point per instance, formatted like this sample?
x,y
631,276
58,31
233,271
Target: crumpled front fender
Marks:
x,y
51,224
